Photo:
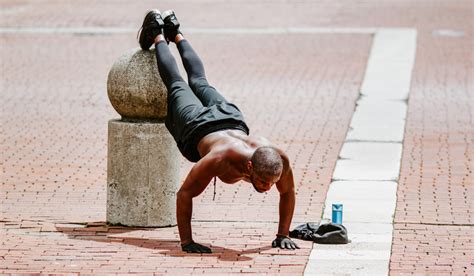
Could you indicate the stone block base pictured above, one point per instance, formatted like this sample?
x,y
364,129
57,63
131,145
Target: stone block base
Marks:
x,y
142,174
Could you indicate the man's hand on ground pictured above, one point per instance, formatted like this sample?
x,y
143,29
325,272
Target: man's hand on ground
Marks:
x,y
196,248
284,243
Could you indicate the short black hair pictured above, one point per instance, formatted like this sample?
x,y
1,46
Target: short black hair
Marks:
x,y
267,161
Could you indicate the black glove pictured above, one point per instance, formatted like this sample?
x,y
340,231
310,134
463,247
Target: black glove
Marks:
x,y
284,242
195,248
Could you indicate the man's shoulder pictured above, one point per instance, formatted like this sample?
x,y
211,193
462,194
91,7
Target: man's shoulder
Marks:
x,y
260,141
220,153
230,151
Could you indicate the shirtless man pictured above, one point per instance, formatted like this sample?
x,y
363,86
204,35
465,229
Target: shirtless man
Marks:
x,y
212,132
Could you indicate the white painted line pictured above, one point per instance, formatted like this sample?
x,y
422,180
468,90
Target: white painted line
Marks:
x,y
365,211
371,239
380,83
126,30
365,170
362,190
365,126
68,30
374,229
368,161
290,30
393,44
344,255
366,108
388,73
372,152
368,131
356,267
364,201
448,32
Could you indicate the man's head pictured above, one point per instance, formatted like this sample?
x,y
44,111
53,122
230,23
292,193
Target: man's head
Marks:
x,y
265,167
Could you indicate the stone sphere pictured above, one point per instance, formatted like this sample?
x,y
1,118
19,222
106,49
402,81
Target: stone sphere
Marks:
x,y
135,88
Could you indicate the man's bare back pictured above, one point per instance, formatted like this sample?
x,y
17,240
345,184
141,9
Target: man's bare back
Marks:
x,y
233,148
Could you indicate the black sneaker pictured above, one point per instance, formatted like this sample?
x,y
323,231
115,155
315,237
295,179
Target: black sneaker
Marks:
x,y
151,27
171,25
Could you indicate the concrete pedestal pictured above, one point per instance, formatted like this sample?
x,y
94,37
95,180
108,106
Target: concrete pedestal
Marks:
x,y
142,174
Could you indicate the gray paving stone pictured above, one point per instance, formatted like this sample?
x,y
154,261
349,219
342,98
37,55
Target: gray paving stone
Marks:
x,y
362,190
369,229
378,120
385,243
367,254
380,211
368,161
364,238
388,73
347,267
379,132
366,170
368,108
394,44
364,201
388,80
371,151
345,253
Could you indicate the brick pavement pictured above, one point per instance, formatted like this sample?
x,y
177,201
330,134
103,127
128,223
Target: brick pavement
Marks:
x,y
55,155
434,217
53,166
437,170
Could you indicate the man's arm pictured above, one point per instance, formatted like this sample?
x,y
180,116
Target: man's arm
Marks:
x,y
194,184
286,187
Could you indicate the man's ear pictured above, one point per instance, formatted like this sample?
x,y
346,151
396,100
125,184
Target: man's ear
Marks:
x,y
249,165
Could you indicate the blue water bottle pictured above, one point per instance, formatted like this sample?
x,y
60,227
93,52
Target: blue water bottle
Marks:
x,y
337,213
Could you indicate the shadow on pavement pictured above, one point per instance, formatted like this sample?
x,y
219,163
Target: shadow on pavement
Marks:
x,y
101,232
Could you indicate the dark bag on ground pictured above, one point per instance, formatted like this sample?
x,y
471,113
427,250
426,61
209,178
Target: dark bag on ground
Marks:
x,y
304,231
329,233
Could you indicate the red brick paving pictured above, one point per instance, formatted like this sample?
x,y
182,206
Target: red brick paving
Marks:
x,y
55,155
53,162
434,222
98,248
436,178
430,249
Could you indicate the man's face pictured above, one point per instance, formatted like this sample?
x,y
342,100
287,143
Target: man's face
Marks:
x,y
263,183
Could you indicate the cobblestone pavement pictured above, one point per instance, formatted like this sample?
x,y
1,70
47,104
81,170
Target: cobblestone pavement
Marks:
x,y
434,227
299,90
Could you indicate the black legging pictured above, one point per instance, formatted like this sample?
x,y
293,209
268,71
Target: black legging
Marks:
x,y
196,109
201,92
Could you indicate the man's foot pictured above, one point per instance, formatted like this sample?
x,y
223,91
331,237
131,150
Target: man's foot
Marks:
x,y
152,26
171,25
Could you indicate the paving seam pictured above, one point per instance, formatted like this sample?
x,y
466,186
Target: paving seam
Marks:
x,y
366,175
